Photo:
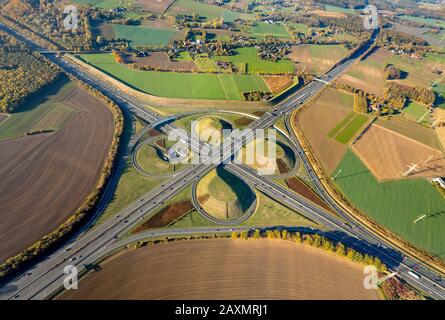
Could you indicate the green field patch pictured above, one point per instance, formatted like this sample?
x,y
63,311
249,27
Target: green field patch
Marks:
x,y
176,84
340,125
263,29
206,11
143,36
427,21
299,27
206,65
415,110
131,186
351,129
272,213
105,4
46,112
253,64
396,204
338,9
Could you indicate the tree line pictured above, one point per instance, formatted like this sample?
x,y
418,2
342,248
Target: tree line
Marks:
x,y
18,70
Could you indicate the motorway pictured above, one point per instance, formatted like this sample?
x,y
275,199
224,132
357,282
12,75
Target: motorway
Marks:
x,y
47,276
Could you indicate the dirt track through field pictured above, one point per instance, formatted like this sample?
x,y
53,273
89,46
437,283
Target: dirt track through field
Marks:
x,y
226,269
45,178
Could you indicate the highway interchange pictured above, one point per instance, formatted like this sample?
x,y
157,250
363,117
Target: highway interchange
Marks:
x,y
85,248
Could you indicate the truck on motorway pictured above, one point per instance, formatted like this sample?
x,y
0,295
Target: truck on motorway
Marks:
x,y
414,275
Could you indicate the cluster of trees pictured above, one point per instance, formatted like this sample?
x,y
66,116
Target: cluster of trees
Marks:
x,y
402,42
360,103
424,95
314,240
273,50
18,70
48,242
46,18
257,96
392,73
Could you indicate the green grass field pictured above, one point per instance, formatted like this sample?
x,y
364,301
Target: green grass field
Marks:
x,y
132,185
263,29
179,85
104,4
299,27
346,134
207,11
46,112
415,110
249,56
143,36
338,9
341,124
396,204
427,21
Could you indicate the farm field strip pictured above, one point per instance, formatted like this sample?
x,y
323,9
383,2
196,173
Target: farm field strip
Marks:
x,y
143,36
346,134
179,85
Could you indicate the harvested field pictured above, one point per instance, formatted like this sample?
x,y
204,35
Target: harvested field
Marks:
x,y
368,74
156,6
387,154
161,61
276,84
225,269
319,119
411,130
44,178
317,59
329,14
299,187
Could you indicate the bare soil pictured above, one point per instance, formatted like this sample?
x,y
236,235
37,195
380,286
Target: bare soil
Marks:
x,y
299,187
166,216
45,178
160,60
225,269
316,121
276,84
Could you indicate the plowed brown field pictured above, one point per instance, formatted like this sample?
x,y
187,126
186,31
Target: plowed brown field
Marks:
x,y
225,269
387,154
317,120
44,178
